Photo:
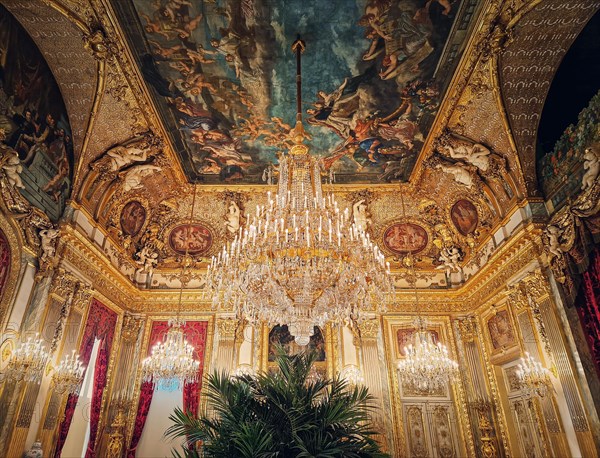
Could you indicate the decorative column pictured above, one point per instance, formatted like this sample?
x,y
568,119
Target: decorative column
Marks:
x,y
77,295
226,333
373,364
537,290
122,394
481,409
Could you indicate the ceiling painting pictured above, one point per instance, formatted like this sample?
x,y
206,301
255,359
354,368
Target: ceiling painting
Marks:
x,y
222,74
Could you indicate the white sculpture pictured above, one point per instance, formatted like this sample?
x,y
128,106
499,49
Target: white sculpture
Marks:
x,y
464,149
147,259
461,175
360,215
134,176
233,218
592,166
135,150
553,246
10,162
48,243
450,258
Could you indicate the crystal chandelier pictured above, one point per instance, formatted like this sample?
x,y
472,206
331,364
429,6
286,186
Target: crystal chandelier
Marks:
x,y
427,367
300,261
27,361
172,364
534,377
352,375
68,375
243,370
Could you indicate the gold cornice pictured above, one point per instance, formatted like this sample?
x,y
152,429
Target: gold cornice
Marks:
x,y
509,259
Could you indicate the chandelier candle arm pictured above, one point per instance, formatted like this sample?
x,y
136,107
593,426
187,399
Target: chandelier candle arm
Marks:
x,y
300,260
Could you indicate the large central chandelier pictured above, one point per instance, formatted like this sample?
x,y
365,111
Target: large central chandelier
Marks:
x,y
172,363
300,261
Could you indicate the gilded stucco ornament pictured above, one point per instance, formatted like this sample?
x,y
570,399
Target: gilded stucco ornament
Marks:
x,y
563,231
98,44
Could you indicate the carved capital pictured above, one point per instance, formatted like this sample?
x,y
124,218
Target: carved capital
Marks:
x,y
131,327
369,329
227,327
467,328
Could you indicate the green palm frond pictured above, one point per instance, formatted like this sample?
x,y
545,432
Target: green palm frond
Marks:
x,y
279,414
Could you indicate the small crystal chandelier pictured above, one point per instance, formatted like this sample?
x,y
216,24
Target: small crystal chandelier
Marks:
x,y
68,375
28,360
534,377
172,364
243,370
427,367
301,261
352,375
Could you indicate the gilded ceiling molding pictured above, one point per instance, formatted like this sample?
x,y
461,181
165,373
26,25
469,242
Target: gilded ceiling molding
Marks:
x,y
540,37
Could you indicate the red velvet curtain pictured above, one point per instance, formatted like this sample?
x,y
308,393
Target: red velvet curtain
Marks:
x,y
195,334
100,324
588,307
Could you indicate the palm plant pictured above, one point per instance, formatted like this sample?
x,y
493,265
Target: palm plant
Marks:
x,y
282,414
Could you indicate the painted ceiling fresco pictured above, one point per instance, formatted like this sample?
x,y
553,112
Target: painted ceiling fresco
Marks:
x,y
223,77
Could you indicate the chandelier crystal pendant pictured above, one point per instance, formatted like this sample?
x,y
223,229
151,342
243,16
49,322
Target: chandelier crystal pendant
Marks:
x,y
300,261
27,361
68,375
172,363
534,377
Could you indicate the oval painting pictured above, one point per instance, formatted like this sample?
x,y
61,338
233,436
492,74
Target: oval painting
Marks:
x,y
191,238
133,217
405,238
464,216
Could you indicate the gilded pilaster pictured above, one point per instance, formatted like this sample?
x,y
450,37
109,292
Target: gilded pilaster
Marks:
x,y
371,363
227,329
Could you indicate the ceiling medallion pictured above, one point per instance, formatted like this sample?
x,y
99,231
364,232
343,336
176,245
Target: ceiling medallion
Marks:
x,y
301,261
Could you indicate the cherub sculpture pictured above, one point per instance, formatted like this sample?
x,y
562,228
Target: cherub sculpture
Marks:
x,y
450,258
592,166
360,215
233,218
